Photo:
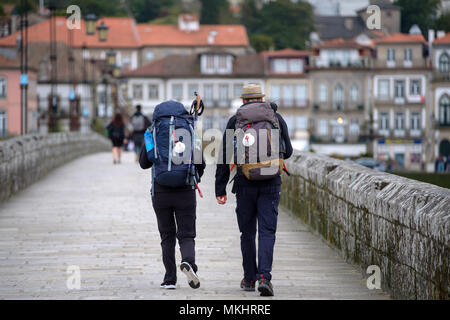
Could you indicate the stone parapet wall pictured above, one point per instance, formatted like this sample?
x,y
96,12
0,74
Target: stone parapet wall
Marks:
x,y
376,218
24,160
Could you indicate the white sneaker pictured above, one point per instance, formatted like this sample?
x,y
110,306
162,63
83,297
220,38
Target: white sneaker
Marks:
x,y
166,285
193,280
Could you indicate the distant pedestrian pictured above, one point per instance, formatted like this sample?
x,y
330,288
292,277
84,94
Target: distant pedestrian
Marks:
x,y
257,185
116,133
140,123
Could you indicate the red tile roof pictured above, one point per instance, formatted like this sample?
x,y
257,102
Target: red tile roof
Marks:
x,y
171,35
124,33
288,52
339,43
402,38
249,65
444,39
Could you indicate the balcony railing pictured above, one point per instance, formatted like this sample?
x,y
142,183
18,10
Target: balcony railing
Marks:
x,y
401,133
344,106
360,63
292,103
399,100
401,63
441,76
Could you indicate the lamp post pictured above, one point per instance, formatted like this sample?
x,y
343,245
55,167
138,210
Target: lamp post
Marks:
x,y
91,22
102,32
105,96
23,68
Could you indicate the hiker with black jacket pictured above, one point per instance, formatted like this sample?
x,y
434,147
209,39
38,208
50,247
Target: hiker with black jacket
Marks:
x,y
173,188
116,133
257,193
140,123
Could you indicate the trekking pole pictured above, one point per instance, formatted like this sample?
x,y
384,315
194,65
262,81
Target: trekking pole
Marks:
x,y
197,108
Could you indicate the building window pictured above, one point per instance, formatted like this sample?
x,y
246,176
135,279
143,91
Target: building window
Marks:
x,y
153,91
322,127
301,123
237,90
280,65
295,66
192,87
338,95
137,91
222,62
149,56
223,95
415,121
323,93
210,62
288,95
208,93
2,87
444,62
275,92
300,95
290,124
384,121
444,106
383,89
177,91
332,57
3,123
399,87
399,121
390,54
408,54
354,127
354,93
415,87
126,61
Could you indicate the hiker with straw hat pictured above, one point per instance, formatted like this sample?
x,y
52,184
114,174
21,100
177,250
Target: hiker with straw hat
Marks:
x,y
257,182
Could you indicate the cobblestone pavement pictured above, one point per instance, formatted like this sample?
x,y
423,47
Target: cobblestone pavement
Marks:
x,y
98,216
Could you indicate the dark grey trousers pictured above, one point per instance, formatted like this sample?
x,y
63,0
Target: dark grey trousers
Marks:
x,y
175,212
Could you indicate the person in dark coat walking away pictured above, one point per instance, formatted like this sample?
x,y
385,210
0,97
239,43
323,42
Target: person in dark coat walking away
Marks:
x,y
140,123
116,133
257,196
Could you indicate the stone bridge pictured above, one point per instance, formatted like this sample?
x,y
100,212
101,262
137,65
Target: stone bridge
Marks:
x,y
338,218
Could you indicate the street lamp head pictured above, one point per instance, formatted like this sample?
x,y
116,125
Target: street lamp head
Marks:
x,y
102,32
116,71
111,57
340,120
90,21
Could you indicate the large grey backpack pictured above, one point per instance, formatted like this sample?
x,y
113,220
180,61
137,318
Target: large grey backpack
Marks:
x,y
257,142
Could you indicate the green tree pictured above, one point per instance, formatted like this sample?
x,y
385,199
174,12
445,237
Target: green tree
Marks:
x,y
146,10
112,8
443,22
287,23
261,42
250,16
420,12
215,12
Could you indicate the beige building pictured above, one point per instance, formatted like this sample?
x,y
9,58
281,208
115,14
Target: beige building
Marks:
x,y
339,78
287,84
401,77
440,106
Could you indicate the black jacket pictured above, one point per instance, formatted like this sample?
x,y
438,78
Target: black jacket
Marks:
x,y
146,164
223,168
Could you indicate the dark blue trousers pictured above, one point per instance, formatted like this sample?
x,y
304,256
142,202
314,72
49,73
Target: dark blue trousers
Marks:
x,y
257,206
